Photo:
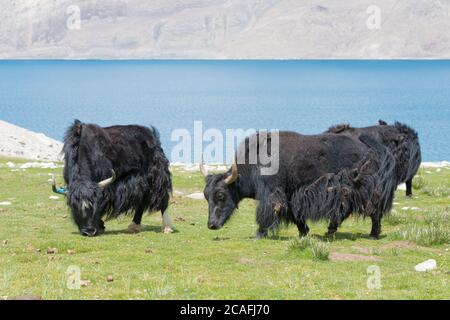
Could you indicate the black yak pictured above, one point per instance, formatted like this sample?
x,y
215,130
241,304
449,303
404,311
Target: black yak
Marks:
x,y
112,171
402,140
368,189
302,160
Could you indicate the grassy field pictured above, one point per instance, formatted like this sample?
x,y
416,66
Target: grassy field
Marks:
x,y
196,263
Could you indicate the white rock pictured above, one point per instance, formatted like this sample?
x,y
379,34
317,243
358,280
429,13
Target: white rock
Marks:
x,y
402,186
196,196
53,197
10,165
426,265
5,203
405,208
439,164
41,165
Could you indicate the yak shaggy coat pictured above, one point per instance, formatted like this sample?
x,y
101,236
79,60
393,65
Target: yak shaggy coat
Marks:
x,y
143,180
302,161
403,142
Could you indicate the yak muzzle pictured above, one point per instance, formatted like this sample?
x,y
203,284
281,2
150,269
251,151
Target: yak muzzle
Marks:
x,y
89,232
214,226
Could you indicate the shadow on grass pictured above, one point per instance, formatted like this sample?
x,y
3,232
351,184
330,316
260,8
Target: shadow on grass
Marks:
x,y
154,229
271,237
346,236
143,229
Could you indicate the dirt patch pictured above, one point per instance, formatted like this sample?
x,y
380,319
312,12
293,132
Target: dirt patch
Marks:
x,y
399,245
362,250
246,261
338,256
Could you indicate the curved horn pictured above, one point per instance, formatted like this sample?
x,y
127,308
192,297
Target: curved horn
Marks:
x,y
203,170
57,190
234,174
107,182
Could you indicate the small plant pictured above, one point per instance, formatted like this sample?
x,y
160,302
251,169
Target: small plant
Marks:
x,y
440,191
319,249
395,218
299,244
418,182
376,251
395,251
426,235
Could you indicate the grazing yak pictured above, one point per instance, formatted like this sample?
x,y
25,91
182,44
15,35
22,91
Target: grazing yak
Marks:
x,y
402,140
112,171
354,167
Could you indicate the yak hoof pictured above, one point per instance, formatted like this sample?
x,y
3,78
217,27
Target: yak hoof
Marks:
x,y
134,228
372,237
167,230
330,233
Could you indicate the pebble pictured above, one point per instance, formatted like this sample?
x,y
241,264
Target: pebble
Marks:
x,y
52,250
85,283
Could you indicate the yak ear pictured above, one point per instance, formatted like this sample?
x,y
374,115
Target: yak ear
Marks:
x,y
77,126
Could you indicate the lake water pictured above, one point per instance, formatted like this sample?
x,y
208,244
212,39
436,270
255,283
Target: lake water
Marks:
x,y
304,96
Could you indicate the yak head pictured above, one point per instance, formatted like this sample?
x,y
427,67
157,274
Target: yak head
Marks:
x,y
85,201
222,196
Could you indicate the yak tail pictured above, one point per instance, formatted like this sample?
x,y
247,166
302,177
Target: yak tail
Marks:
x,y
160,178
407,152
70,149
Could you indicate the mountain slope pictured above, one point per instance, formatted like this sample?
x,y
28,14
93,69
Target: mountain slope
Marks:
x,y
283,29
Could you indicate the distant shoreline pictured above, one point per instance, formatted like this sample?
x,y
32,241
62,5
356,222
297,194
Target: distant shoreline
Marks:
x,y
21,143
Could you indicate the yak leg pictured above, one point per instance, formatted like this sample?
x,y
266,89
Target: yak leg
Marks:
x,y
271,208
135,226
335,223
265,219
376,226
261,233
166,222
302,227
409,188
332,227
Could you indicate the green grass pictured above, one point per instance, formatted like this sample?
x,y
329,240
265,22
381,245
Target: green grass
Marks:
x,y
319,250
197,263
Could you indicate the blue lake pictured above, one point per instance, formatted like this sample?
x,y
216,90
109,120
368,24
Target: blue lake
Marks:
x,y
304,96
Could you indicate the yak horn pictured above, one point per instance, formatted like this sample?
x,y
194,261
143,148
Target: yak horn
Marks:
x,y
107,182
203,170
234,174
57,190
